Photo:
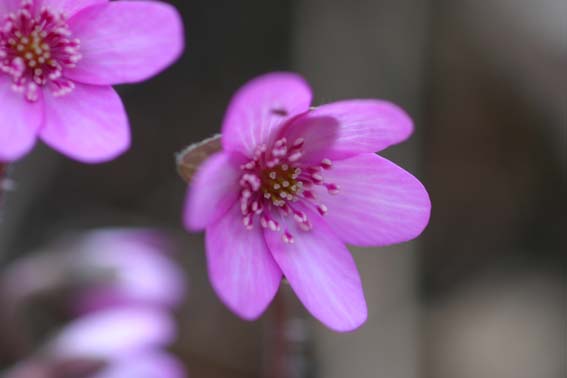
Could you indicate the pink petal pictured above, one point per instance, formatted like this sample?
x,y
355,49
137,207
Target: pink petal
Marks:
x,y
19,122
213,190
8,6
347,128
89,124
150,364
112,333
135,271
260,108
70,7
241,269
322,273
126,41
378,203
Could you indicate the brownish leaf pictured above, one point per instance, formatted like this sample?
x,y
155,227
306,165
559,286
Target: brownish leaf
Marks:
x,y
189,160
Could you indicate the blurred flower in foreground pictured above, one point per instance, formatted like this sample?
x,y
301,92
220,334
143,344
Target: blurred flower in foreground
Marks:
x,y
58,60
124,342
291,187
127,267
102,269
122,286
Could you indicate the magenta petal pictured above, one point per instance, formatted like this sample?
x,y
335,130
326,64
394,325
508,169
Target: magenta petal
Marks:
x,y
70,7
260,108
241,269
112,333
347,128
213,190
323,274
378,203
89,124
126,41
150,364
19,122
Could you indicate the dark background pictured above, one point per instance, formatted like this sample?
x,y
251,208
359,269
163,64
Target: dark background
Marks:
x,y
480,294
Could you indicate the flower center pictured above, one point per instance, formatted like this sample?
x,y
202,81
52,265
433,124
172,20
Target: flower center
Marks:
x,y
35,48
275,180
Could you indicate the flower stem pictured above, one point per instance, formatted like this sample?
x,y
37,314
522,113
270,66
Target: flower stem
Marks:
x,y
276,348
3,168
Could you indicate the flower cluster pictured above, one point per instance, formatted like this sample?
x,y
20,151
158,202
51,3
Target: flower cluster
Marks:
x,y
120,289
291,187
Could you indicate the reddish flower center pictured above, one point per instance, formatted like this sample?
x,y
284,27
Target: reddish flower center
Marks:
x,y
35,48
275,180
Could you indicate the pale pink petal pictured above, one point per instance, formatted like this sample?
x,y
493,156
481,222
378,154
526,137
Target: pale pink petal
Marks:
x,y
19,122
149,364
89,124
112,333
261,107
134,270
347,128
241,269
213,190
378,203
126,41
8,6
70,7
322,273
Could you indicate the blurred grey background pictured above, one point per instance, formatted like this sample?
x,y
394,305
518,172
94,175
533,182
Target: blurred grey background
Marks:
x,y
480,294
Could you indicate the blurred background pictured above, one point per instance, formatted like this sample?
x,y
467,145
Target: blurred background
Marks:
x,y
481,294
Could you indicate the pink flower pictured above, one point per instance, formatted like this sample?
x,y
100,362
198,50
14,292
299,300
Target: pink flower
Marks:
x,y
291,187
58,60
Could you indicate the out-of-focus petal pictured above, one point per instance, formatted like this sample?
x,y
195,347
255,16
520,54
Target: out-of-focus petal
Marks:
x,y
378,203
7,6
132,270
111,333
126,41
347,128
69,7
260,108
241,269
19,122
150,364
322,272
89,124
213,190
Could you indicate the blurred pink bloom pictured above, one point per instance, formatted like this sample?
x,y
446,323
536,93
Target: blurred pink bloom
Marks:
x,y
58,60
291,187
122,286
133,267
102,269
112,333
117,343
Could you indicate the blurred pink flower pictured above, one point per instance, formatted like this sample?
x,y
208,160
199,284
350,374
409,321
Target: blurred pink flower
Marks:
x,y
119,287
101,269
133,267
113,332
116,343
292,186
58,60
